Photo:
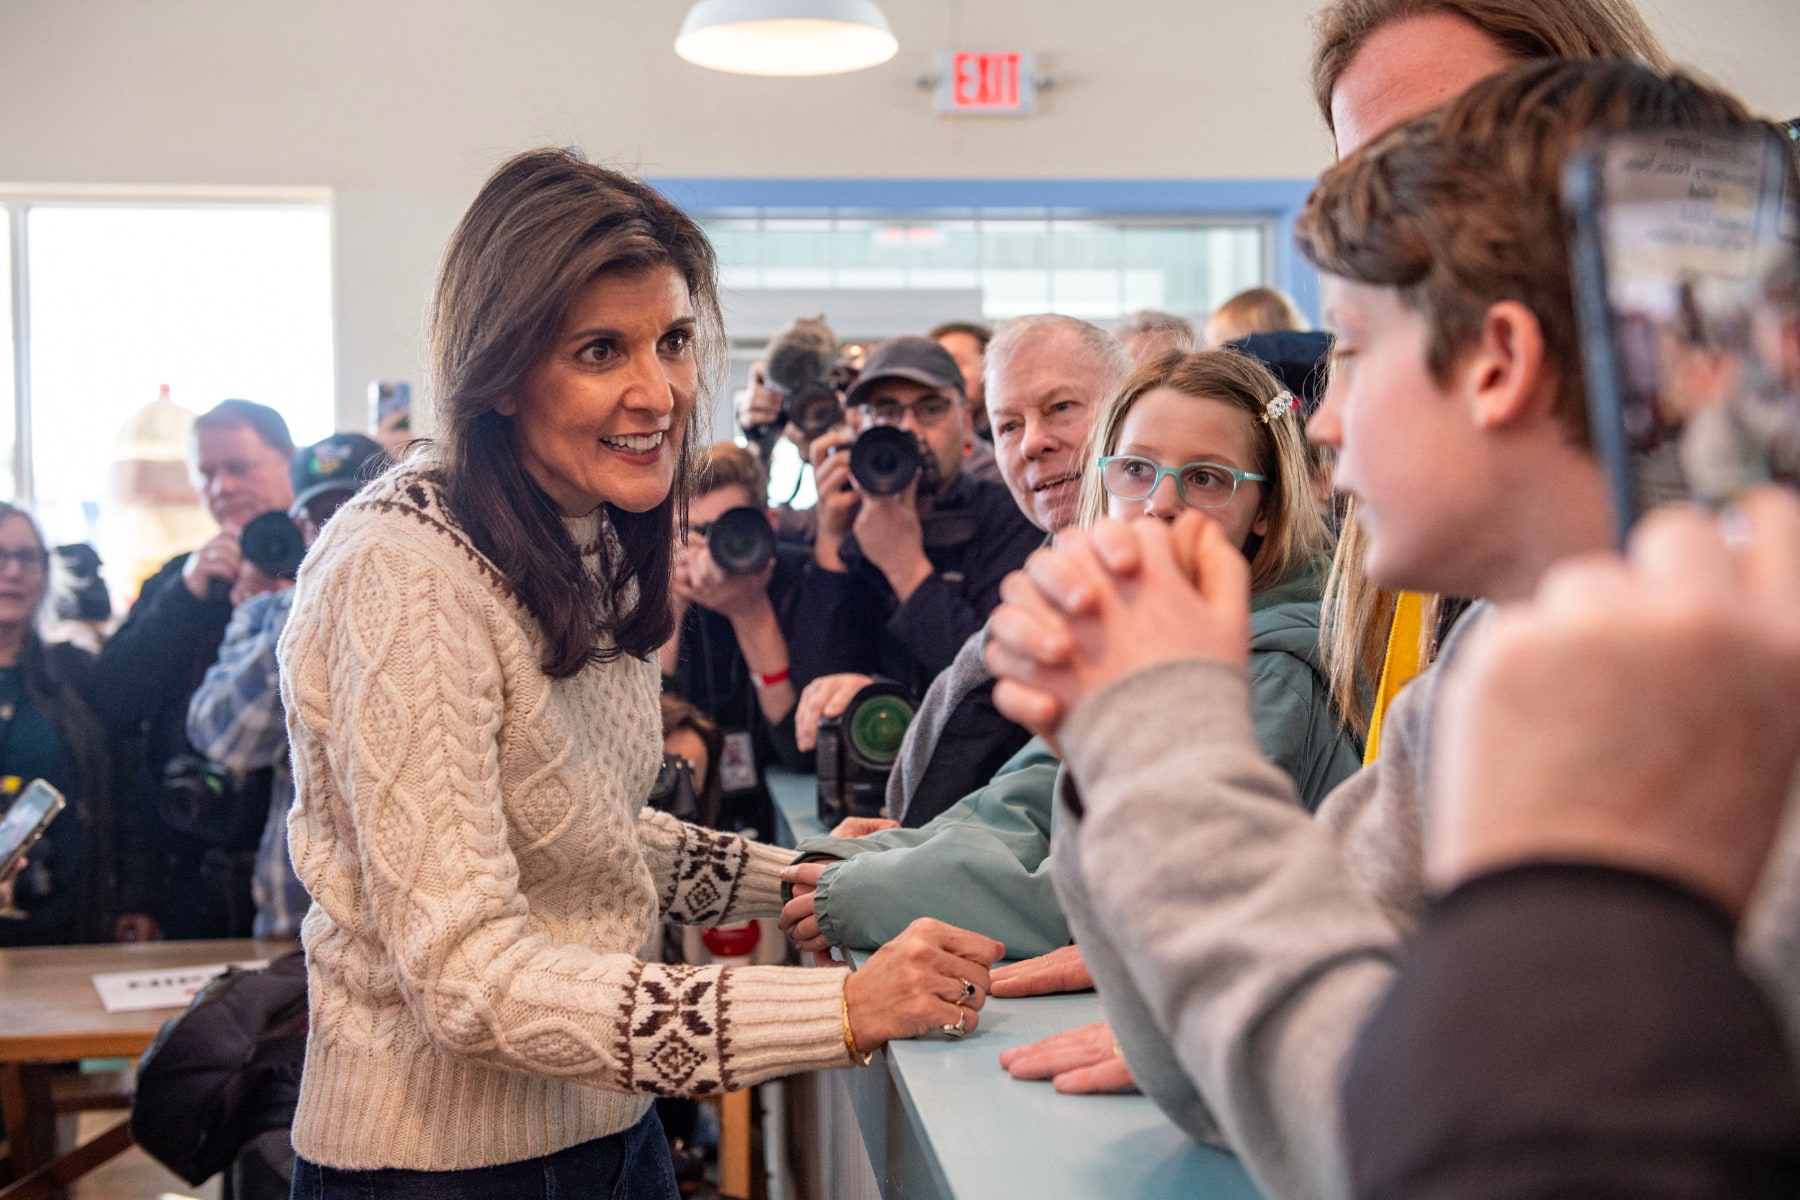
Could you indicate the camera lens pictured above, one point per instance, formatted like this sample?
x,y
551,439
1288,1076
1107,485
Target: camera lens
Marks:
x,y
878,726
885,460
741,542
815,409
273,544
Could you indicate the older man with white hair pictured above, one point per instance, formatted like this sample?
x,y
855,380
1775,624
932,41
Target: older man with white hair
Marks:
x,y
1044,377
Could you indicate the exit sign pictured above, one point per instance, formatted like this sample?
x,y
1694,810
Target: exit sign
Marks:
x,y
974,83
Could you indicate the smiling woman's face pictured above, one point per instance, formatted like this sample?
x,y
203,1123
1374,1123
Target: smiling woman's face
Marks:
x,y
24,573
600,419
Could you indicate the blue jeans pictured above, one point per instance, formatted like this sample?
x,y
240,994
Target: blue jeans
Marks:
x,y
632,1165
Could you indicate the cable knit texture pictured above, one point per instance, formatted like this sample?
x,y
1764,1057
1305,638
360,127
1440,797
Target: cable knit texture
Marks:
x,y
483,868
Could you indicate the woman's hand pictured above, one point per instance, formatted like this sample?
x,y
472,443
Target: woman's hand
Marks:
x,y
931,978
1081,1060
1061,970
1108,602
799,916
825,698
136,927
855,827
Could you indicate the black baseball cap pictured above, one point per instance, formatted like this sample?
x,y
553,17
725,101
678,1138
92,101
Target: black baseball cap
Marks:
x,y
917,359
342,462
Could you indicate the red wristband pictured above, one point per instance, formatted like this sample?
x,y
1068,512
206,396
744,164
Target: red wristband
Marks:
x,y
769,681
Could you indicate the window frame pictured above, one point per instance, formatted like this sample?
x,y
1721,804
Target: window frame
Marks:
x,y
17,200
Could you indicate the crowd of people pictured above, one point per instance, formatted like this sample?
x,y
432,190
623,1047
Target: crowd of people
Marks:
x,y
1287,688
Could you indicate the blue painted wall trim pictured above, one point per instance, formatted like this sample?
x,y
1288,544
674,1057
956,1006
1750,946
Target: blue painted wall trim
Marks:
x,y
1278,199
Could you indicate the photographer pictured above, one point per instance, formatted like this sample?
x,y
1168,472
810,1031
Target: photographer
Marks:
x,y
188,883
794,396
729,656
235,717
898,582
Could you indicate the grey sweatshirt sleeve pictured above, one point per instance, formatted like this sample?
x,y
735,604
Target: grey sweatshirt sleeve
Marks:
x,y
1236,923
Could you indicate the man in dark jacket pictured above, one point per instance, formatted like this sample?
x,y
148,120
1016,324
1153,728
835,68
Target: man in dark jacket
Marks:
x,y
1046,377
194,881
899,582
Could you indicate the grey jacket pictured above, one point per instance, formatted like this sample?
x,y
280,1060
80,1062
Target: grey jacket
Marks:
x,y
1238,991
984,863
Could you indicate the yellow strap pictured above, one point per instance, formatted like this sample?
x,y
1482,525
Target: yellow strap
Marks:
x,y
1405,659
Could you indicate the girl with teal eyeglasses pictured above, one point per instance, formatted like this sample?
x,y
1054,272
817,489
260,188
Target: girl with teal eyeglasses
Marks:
x,y
1217,432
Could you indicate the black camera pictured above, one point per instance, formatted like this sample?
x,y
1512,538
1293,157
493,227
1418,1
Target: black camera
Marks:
x,y
204,800
814,407
801,366
885,460
857,750
741,541
674,791
273,544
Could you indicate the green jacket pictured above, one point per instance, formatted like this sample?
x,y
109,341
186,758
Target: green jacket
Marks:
x,y
984,863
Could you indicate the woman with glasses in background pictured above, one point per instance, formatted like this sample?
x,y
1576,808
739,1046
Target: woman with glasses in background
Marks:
x,y
47,731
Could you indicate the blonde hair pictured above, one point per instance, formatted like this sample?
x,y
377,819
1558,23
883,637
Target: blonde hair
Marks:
x,y
1259,310
1297,533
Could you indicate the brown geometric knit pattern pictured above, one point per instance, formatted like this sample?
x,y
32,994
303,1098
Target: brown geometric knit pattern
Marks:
x,y
483,870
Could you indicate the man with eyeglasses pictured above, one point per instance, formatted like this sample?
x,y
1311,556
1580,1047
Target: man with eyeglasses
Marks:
x,y
898,583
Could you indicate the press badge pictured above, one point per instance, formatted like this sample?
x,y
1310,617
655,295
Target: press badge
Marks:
x,y
737,762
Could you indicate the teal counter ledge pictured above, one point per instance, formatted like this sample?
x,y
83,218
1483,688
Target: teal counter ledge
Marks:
x,y
941,1119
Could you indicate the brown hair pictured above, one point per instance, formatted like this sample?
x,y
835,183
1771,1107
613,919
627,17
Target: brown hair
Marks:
x,y
731,465
1261,310
679,714
1461,209
981,333
268,425
543,227
1522,28
1297,533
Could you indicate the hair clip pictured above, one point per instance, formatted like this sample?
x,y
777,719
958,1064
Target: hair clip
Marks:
x,y
1279,406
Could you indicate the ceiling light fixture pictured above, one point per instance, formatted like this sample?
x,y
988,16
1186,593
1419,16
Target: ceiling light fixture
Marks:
x,y
786,37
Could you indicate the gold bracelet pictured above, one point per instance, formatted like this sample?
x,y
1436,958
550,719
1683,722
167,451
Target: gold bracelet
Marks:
x,y
857,1056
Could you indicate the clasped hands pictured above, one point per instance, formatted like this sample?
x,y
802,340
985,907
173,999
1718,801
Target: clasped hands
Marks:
x,y
1111,600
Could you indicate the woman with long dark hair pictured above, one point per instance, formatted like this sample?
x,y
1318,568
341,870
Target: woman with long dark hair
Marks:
x,y
48,731
471,688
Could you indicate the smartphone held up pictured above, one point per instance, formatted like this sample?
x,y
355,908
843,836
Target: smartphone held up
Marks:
x,y
1685,257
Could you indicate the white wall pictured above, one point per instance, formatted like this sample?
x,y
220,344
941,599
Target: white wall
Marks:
x,y
402,106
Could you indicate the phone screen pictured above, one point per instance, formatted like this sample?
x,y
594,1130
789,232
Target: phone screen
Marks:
x,y
26,819
1686,264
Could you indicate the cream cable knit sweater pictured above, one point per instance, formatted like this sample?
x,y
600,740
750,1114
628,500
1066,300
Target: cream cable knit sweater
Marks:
x,y
482,869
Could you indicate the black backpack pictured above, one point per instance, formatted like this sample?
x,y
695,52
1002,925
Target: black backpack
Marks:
x,y
224,1070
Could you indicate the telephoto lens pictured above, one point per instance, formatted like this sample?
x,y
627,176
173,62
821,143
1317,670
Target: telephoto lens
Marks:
x,y
885,460
272,543
857,751
741,541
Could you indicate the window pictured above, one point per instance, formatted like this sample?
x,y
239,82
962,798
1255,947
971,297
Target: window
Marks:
x,y
214,300
1094,267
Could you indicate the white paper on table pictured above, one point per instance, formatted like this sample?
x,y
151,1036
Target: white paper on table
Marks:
x,y
133,991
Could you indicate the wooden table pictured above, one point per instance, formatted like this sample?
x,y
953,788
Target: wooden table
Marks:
x,y
50,1013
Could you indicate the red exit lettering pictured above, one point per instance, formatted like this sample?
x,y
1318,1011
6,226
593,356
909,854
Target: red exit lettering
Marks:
x,y
988,81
